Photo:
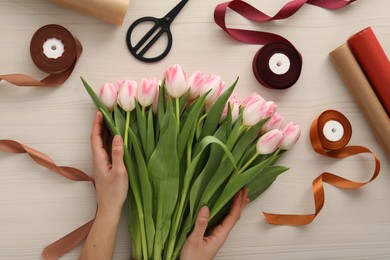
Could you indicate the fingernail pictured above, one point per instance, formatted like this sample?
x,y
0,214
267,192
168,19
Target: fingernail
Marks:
x,y
204,211
117,140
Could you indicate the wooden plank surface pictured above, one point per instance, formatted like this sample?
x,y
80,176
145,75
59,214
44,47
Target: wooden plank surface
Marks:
x,y
37,207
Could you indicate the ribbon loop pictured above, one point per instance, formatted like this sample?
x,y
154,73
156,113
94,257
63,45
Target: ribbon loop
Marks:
x,y
68,242
263,74
60,68
318,140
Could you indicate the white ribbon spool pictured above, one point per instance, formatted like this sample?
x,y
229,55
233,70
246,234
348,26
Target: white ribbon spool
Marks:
x,y
53,48
279,63
333,131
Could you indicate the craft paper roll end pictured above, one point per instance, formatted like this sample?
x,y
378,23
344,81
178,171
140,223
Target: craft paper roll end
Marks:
x,y
110,11
358,85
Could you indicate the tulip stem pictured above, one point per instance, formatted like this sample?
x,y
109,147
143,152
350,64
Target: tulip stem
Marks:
x,y
127,128
248,163
242,127
178,111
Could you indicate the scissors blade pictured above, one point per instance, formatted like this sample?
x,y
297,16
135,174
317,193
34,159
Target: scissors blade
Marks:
x,y
174,12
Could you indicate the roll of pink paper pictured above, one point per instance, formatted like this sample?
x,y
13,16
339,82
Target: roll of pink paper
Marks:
x,y
359,87
111,11
374,62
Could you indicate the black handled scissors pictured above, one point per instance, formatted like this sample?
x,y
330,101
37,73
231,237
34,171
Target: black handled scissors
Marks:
x,y
162,25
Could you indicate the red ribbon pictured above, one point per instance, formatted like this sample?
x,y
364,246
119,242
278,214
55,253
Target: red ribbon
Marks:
x,y
68,242
330,149
253,14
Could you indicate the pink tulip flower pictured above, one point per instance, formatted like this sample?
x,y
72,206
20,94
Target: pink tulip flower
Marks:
x,y
127,95
108,95
292,132
269,109
147,92
275,122
175,81
270,141
118,84
195,83
234,106
215,85
253,98
155,101
253,111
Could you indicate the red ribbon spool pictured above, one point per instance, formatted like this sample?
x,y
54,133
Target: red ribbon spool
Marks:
x,y
273,43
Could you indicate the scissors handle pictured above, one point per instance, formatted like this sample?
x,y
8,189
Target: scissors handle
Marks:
x,y
139,50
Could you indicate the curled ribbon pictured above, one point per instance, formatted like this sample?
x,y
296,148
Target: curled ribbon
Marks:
x,y
264,38
59,68
68,242
334,149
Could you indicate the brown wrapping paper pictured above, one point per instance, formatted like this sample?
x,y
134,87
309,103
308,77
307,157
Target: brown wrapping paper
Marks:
x,y
362,92
110,11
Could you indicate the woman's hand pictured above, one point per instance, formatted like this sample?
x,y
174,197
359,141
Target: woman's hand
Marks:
x,y
111,179
111,183
200,247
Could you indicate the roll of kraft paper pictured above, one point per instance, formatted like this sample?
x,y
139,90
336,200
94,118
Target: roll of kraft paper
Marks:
x,y
110,11
364,96
371,57
54,50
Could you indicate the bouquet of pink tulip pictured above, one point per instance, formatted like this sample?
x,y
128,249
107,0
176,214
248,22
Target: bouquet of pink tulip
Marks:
x,y
189,143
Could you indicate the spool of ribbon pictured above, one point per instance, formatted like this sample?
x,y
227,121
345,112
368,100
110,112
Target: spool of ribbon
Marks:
x,y
278,65
68,242
330,132
54,50
111,11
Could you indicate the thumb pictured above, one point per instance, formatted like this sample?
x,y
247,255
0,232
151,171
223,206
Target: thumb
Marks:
x,y
201,223
117,151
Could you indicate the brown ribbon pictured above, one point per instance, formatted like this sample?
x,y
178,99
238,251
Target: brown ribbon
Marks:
x,y
60,68
68,242
331,149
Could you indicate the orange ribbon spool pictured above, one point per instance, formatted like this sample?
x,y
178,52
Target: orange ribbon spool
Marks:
x,y
68,242
334,149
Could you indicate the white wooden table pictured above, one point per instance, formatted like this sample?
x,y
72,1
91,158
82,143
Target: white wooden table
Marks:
x,y
37,207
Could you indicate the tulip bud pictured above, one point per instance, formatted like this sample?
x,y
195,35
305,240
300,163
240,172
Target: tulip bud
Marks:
x,y
127,95
269,142
234,107
195,83
253,111
118,85
147,92
214,84
275,122
269,109
292,132
108,95
253,98
175,81
155,101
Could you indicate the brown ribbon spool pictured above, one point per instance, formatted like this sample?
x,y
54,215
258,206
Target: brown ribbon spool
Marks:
x,y
328,148
68,242
264,73
59,68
